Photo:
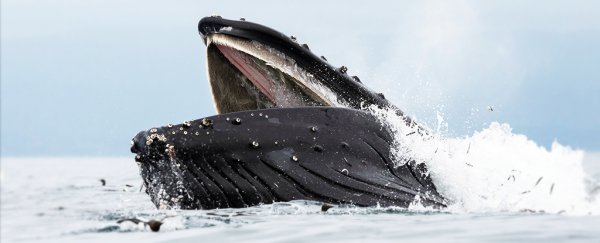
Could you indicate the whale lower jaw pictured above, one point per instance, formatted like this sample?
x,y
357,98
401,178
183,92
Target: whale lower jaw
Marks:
x,y
258,157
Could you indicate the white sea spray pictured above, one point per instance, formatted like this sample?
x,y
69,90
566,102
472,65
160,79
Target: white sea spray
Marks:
x,y
496,170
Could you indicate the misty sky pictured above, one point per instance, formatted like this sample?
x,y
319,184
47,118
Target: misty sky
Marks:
x,y
82,78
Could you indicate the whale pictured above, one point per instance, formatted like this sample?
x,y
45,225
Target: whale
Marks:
x,y
289,126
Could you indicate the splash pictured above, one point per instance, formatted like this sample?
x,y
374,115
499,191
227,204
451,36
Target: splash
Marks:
x,y
497,170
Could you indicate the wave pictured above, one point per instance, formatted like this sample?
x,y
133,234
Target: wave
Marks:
x,y
496,170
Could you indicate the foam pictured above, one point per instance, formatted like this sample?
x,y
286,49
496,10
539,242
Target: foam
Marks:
x,y
496,170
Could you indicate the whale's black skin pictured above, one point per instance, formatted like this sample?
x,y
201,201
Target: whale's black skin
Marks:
x,y
262,148
348,89
242,159
340,82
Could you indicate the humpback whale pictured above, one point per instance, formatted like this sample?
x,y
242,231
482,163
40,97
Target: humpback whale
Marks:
x,y
290,126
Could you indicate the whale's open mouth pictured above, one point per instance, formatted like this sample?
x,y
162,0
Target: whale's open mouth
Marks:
x,y
251,66
334,153
248,75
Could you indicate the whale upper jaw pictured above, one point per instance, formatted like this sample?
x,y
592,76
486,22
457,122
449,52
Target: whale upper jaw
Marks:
x,y
248,75
256,67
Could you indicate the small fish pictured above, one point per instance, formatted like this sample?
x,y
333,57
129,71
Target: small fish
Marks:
x,y
153,224
326,207
538,181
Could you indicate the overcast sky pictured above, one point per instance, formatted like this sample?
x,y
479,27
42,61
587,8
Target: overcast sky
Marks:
x,y
82,78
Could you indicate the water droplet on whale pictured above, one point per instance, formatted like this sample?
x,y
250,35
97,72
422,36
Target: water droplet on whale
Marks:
x,y
343,69
206,122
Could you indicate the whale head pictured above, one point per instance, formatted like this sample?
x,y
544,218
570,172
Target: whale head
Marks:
x,y
289,126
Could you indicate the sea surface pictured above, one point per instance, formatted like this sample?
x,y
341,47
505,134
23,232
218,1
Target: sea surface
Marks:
x,y
64,200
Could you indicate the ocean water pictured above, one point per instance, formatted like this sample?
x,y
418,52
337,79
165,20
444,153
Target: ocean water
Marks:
x,y
501,187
